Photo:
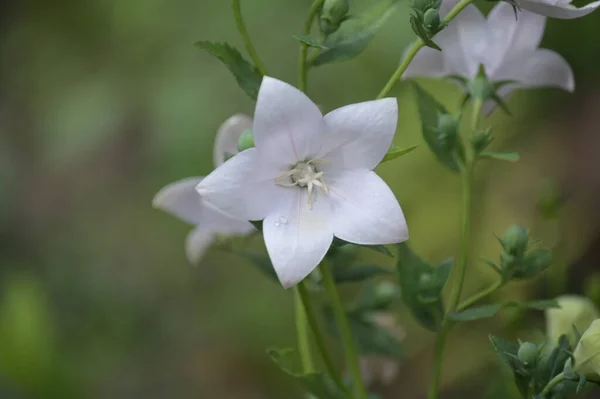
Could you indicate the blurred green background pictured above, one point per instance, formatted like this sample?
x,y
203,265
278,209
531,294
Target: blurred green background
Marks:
x,y
103,102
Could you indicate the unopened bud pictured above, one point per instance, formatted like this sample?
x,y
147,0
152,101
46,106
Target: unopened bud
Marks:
x,y
480,87
447,130
386,291
246,140
431,19
538,259
515,240
333,14
528,353
587,353
481,140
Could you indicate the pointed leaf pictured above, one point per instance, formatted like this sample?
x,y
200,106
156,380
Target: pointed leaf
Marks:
x,y
429,111
314,383
396,152
501,156
581,384
310,42
541,304
352,274
355,34
373,339
476,313
247,75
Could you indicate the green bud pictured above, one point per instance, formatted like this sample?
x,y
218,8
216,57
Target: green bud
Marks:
x,y
426,282
515,240
421,5
333,14
431,19
386,290
587,353
528,353
447,130
480,88
246,140
574,311
538,259
481,140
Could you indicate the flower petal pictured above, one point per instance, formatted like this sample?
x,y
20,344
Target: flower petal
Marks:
x,y
541,68
297,237
197,242
227,137
359,135
473,41
288,126
366,210
181,200
242,187
428,63
559,10
511,34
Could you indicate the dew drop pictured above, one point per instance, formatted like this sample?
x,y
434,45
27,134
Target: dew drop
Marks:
x,y
276,224
283,220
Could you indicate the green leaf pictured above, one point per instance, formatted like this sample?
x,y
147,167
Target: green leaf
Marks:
x,y
247,75
396,152
476,313
429,111
500,156
314,383
355,34
508,352
540,304
352,274
424,304
373,339
581,384
553,364
310,42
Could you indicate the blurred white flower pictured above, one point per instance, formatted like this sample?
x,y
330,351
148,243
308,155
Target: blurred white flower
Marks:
x,y
575,311
506,46
183,201
561,9
587,353
310,178
381,369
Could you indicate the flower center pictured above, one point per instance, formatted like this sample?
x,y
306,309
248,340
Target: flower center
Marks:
x,y
305,174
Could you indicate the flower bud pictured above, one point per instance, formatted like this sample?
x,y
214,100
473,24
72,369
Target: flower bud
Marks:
x,y
447,130
538,260
431,19
515,240
587,353
386,291
333,14
481,140
528,353
574,311
246,140
480,88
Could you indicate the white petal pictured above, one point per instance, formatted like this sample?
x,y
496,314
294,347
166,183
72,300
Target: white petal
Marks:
x,y
222,223
541,68
559,10
288,126
366,210
242,187
427,63
197,242
359,135
181,200
297,238
472,33
227,137
512,34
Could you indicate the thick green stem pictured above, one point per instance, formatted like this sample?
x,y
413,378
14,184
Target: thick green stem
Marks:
x,y
302,334
415,47
302,64
459,272
553,382
341,319
239,21
313,322
467,303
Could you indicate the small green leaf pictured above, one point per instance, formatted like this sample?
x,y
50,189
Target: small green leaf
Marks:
x,y
540,304
355,34
476,313
373,339
581,384
501,156
508,352
310,42
314,383
247,75
396,152
352,274
429,111
261,262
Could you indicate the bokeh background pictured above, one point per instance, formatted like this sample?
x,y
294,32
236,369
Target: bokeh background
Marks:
x,y
103,102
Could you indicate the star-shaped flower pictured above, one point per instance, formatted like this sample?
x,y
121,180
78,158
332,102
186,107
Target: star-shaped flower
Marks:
x,y
183,201
561,9
309,178
506,46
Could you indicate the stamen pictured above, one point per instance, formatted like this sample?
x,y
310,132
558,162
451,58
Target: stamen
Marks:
x,y
304,174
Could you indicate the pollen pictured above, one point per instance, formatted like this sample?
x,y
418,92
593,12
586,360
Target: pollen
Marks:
x,y
305,175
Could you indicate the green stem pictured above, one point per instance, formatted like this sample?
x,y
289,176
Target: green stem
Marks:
x,y
467,303
461,267
344,328
302,334
239,21
553,382
415,47
302,64
313,322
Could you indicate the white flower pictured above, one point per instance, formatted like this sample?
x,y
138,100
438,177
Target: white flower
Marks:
x,y
506,46
310,177
561,9
183,201
574,311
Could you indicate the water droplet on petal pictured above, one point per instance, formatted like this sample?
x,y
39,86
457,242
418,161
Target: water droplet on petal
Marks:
x,y
283,220
276,224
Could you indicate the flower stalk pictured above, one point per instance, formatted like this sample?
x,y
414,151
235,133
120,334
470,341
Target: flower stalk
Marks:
x,y
302,63
241,26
